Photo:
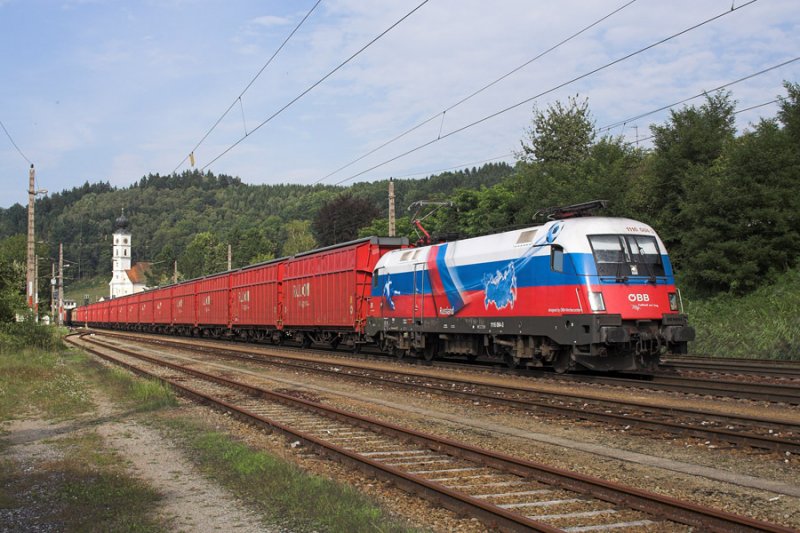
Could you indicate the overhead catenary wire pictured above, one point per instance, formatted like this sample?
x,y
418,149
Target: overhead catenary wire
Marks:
x,y
10,138
548,91
475,93
252,81
662,108
735,113
509,154
318,82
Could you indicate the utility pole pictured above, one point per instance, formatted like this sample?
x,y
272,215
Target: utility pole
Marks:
x,y
61,284
392,223
36,287
31,267
52,292
175,272
230,256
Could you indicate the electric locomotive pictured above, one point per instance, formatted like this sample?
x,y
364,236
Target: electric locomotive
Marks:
x,y
589,292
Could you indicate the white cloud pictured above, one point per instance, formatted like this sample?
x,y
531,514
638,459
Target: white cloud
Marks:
x,y
269,21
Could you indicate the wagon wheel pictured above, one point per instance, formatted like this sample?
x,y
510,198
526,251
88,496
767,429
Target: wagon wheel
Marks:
x,y
306,343
511,361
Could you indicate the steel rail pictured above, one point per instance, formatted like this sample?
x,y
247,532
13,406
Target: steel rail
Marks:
x,y
444,386
766,367
663,507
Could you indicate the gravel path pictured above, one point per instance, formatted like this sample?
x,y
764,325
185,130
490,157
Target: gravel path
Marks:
x,y
190,502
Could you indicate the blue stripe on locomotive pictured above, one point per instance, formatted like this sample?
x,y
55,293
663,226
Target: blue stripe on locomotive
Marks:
x,y
529,271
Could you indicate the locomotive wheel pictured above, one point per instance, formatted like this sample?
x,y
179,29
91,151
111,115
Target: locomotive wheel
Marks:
x,y
398,353
561,362
430,352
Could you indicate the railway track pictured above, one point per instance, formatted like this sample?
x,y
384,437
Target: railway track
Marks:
x,y
759,367
504,492
753,432
716,387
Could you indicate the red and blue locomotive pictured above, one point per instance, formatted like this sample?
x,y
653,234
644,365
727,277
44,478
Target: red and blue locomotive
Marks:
x,y
591,292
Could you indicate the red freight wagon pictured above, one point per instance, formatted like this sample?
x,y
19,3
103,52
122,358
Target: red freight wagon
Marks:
x,y
212,300
102,312
132,309
327,289
145,300
162,306
183,304
256,295
113,312
119,308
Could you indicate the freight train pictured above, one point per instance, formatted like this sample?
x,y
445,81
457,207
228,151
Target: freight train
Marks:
x,y
589,292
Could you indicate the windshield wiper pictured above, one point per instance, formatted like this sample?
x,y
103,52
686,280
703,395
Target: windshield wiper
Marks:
x,y
619,276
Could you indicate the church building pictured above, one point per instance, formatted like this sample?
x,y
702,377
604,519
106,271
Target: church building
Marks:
x,y
126,279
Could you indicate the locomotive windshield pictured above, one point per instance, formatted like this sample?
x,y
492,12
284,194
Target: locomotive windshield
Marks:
x,y
626,255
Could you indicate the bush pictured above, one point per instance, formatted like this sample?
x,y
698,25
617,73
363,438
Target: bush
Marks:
x,y
29,334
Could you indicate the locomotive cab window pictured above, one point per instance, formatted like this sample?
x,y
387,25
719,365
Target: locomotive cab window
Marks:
x,y
556,258
626,255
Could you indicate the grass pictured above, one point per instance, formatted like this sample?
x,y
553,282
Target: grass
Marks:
x,y
86,489
45,383
133,392
300,501
764,324
93,287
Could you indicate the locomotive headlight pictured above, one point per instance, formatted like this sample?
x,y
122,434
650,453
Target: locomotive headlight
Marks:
x,y
596,301
673,301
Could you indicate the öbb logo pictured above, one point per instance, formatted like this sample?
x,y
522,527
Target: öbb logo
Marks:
x,y
638,297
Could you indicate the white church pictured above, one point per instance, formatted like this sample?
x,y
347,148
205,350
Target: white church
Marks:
x,y
126,279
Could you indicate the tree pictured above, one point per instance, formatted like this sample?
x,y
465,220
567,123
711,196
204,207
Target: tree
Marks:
x,y
12,276
204,255
549,171
686,145
339,219
298,237
740,219
562,134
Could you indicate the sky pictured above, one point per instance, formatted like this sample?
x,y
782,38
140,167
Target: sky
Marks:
x,y
100,90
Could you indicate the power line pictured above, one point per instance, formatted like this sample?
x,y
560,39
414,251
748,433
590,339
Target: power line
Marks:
x,y
15,144
760,72
735,113
239,98
475,93
314,85
564,84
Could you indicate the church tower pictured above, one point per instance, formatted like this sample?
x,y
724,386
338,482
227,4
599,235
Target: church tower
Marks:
x,y
120,284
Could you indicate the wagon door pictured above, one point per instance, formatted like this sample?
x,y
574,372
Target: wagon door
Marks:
x,y
418,311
